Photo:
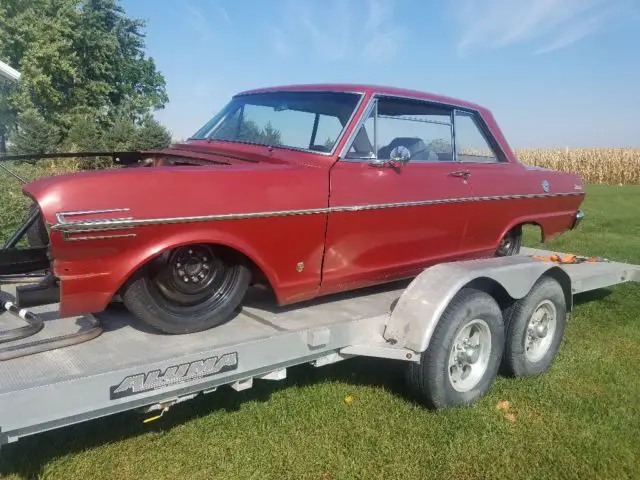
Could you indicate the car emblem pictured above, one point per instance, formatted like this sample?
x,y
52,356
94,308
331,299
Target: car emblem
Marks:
x,y
545,186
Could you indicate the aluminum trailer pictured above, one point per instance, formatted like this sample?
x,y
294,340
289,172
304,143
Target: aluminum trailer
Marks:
x,y
456,326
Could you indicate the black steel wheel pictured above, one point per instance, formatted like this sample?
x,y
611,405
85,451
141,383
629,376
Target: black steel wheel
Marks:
x,y
511,243
37,235
188,289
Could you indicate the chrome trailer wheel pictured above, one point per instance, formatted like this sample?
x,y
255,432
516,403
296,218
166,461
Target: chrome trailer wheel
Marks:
x,y
463,356
469,355
189,289
535,328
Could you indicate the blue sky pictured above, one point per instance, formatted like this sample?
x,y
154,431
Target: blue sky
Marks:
x,y
553,72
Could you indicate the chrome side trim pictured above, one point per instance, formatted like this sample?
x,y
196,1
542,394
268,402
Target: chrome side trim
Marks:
x,y
128,223
67,236
61,216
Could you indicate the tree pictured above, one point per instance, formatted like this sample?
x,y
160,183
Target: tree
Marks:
x,y
78,59
152,135
7,115
33,134
250,132
440,145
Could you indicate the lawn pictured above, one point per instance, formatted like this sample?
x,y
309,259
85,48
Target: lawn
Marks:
x,y
580,420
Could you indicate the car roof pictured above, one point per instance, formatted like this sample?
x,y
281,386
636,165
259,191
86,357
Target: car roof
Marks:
x,y
368,90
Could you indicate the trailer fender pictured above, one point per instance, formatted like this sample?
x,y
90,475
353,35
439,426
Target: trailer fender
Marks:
x,y
414,317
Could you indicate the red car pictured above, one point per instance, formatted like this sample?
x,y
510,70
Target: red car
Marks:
x,y
311,190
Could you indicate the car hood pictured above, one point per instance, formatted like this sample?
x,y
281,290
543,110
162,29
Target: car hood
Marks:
x,y
142,193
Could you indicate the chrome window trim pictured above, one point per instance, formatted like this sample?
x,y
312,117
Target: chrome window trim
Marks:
x,y
371,103
360,94
128,223
475,118
454,152
374,100
455,107
434,122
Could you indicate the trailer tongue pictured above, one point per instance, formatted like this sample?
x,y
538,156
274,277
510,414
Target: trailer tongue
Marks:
x,y
458,318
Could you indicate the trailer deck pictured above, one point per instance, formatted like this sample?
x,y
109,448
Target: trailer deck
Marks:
x,y
129,366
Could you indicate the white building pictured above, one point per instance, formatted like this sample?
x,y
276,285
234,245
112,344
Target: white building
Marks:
x,y
7,73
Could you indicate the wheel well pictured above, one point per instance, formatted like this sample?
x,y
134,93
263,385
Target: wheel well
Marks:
x,y
530,229
257,274
565,282
504,300
493,288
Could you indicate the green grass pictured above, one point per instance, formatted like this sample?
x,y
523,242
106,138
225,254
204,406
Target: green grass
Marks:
x,y
579,420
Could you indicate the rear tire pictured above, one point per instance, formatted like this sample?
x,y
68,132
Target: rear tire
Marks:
x,y
453,372
535,328
189,289
511,243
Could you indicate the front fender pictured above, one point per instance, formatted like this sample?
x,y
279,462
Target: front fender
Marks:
x,y
140,256
91,279
421,305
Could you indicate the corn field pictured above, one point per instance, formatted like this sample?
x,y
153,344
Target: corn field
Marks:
x,y
611,166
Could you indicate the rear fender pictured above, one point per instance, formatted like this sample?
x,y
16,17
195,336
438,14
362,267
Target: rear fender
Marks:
x,y
418,310
551,225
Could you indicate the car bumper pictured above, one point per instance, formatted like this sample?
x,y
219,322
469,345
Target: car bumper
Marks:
x,y
577,219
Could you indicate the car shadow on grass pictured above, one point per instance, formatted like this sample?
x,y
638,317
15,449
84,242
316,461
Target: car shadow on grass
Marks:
x,y
30,455
592,296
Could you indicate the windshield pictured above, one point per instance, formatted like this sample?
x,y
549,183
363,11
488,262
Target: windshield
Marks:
x,y
300,120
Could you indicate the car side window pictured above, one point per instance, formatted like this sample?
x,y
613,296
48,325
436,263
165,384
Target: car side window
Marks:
x,y
471,144
362,146
423,129
419,128
329,129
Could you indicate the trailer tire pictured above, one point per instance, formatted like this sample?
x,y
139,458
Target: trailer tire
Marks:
x,y
433,378
535,328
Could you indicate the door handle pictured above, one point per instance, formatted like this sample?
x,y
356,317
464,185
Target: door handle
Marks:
x,y
461,173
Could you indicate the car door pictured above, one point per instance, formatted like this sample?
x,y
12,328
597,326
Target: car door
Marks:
x,y
495,183
388,221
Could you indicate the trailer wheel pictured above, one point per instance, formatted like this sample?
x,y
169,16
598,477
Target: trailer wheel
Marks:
x,y
189,289
463,357
535,328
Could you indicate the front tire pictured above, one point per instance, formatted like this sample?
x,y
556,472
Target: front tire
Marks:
x,y
463,357
37,235
189,289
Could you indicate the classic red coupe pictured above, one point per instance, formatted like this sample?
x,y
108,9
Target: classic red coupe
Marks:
x,y
310,190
